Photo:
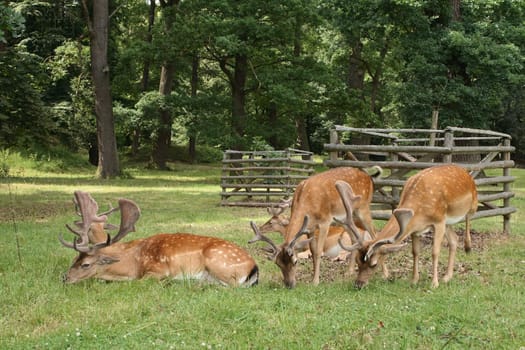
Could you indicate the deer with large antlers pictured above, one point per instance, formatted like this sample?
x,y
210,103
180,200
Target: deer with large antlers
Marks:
x,y
164,255
278,222
315,203
431,201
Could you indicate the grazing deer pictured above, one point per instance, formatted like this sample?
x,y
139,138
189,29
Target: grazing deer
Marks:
x,y
431,200
178,255
315,203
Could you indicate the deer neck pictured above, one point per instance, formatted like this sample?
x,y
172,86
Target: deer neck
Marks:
x,y
127,267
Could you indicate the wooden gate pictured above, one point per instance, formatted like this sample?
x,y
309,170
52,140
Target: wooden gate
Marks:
x,y
263,178
401,152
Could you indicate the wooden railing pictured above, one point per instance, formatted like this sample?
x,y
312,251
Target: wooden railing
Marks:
x,y
401,152
262,178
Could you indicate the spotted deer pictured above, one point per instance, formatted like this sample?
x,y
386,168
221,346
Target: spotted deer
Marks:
x,y
278,222
315,203
164,255
431,201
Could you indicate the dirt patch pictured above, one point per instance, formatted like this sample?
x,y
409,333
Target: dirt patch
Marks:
x,y
400,264
37,212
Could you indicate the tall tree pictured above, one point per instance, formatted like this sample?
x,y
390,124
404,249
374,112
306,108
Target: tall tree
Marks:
x,y
163,137
98,26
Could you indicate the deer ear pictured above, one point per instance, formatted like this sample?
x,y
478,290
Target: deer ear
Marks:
x,y
107,260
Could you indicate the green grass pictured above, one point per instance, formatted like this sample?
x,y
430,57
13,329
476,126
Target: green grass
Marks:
x,y
481,308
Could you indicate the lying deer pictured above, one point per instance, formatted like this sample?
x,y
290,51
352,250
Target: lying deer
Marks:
x,y
178,255
315,203
431,200
278,222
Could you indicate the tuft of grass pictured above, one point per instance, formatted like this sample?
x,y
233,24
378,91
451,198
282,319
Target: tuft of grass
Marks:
x,y
482,307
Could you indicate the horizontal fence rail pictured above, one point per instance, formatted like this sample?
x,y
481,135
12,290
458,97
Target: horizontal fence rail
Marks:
x,y
263,178
402,152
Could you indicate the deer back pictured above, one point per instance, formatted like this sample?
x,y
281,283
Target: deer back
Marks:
x,y
443,193
318,198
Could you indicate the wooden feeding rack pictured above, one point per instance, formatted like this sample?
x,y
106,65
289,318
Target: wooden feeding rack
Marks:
x,y
402,152
263,178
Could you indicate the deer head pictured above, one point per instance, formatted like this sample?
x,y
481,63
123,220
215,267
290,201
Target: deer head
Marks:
x,y
89,231
283,256
277,222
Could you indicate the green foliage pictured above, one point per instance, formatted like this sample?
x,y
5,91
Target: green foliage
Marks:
x,y
4,165
204,154
362,63
25,120
11,23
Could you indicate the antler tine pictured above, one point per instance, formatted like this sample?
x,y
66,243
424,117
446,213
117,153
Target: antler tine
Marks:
x,y
64,243
345,247
111,210
261,237
348,197
403,216
129,214
285,203
87,208
302,231
275,211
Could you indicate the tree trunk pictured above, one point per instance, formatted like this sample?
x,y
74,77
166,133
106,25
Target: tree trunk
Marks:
x,y
163,141
238,90
456,12
356,69
302,141
271,113
144,84
192,141
108,164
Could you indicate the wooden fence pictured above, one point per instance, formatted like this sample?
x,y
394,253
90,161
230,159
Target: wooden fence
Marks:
x,y
262,178
401,152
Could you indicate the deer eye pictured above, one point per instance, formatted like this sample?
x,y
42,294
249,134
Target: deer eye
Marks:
x,y
85,265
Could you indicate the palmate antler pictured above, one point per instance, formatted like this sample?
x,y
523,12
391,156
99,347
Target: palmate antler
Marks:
x,y
348,197
87,208
273,249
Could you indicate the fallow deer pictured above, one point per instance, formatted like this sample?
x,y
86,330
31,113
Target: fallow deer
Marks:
x,y
332,250
315,203
431,201
164,255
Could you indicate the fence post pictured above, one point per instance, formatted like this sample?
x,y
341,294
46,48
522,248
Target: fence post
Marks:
x,y
448,143
334,139
506,188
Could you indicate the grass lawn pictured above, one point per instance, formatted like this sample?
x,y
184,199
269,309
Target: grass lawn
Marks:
x,y
483,307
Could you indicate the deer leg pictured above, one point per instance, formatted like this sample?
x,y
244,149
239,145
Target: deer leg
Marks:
x,y
317,250
351,262
386,273
467,240
416,249
439,233
452,239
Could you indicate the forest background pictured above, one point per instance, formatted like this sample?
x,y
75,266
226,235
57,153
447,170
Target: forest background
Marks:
x,y
189,79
